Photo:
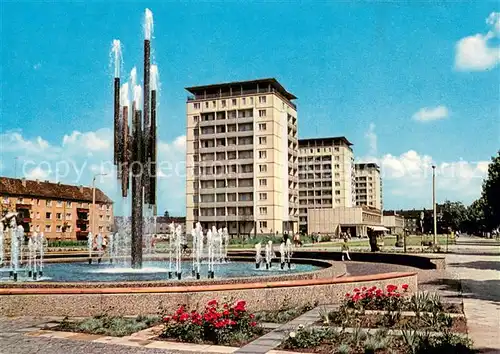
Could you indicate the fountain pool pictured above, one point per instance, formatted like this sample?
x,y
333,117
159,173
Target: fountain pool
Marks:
x,y
151,271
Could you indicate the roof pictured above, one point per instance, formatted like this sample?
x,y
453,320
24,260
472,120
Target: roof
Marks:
x,y
267,81
50,190
326,140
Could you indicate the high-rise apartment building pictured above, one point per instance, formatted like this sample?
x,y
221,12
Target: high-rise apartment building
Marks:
x,y
60,211
368,185
242,157
326,175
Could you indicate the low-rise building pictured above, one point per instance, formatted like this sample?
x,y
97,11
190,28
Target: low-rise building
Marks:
x,y
393,222
355,221
60,211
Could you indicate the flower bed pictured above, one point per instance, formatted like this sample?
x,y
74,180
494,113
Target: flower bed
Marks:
x,y
406,324
223,324
115,326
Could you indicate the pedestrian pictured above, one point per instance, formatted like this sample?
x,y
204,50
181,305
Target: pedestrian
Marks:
x,y
345,249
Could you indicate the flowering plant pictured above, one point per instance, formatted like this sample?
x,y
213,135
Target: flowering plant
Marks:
x,y
374,298
216,323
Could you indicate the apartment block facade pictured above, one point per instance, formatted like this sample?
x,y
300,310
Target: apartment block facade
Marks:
x,y
368,185
60,211
326,175
242,157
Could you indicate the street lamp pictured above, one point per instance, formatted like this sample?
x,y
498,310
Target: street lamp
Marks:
x,y
434,203
93,199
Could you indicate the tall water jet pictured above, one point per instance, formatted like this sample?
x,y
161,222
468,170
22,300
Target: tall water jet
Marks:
x,y
90,245
282,254
178,251
289,251
124,142
210,259
155,79
269,254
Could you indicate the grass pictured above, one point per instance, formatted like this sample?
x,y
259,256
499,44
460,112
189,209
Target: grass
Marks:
x,y
282,315
67,243
115,326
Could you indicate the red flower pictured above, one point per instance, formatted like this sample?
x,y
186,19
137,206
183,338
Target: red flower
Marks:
x,y
347,295
180,310
166,318
212,302
405,287
226,313
251,315
363,288
183,317
253,324
356,290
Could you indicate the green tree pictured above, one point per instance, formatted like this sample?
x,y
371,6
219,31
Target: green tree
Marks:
x,y
475,221
491,194
454,215
166,214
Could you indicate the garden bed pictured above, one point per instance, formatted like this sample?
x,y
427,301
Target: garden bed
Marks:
x,y
283,315
114,326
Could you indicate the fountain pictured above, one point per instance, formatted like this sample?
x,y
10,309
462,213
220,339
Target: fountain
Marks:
x,y
36,244
289,252
269,254
282,254
136,153
2,238
90,245
258,255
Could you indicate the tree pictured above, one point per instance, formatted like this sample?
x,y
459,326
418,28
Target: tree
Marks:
x,y
454,215
166,214
491,194
475,221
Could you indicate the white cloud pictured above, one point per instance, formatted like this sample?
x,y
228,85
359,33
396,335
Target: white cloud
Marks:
x,y
37,173
427,114
475,52
407,179
371,136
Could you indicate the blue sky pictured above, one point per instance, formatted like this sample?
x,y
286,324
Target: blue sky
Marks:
x,y
409,84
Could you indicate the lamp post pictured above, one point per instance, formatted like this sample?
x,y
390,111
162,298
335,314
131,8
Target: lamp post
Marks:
x,y
434,203
93,199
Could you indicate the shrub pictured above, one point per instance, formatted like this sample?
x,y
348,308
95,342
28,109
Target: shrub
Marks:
x,y
217,323
307,338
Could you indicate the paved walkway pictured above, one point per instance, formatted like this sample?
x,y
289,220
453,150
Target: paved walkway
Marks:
x,y
479,277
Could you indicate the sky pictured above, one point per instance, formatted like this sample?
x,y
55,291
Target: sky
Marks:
x,y
409,84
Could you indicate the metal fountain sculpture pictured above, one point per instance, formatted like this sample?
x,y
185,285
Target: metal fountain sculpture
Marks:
x,y
135,148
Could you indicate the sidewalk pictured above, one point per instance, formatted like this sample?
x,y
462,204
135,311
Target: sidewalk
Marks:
x,y
479,276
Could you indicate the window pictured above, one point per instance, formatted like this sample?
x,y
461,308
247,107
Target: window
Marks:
x,y
337,158
101,217
206,104
251,100
47,228
214,104
337,165
68,204
262,126
262,196
337,184
262,112
262,182
263,224
48,215
196,119
262,168
100,228
263,210
319,150
337,201
20,200
196,105
337,192
223,103
59,203
68,216
5,200
336,149
234,102
38,215
262,154
37,228
58,228
58,216
48,203
103,206
38,202
262,99
262,140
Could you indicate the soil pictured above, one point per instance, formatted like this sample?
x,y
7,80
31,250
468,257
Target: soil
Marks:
x,y
459,325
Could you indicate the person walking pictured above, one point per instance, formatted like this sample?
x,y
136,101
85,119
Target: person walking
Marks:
x,y
345,249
